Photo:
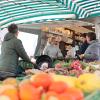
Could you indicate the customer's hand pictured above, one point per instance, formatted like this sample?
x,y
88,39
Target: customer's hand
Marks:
x,y
81,56
33,60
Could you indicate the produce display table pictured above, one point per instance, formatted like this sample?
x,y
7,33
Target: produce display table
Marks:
x,y
67,85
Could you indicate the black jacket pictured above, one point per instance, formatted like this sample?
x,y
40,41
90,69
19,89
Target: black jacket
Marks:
x,y
83,48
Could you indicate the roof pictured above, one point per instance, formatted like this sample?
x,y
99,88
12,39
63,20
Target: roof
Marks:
x,y
83,8
23,11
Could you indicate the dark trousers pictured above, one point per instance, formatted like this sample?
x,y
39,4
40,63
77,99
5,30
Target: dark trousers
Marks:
x,y
5,74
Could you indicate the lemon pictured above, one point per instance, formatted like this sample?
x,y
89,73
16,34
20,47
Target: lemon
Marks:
x,y
70,81
88,82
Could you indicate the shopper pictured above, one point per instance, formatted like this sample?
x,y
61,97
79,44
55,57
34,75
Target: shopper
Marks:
x,y
12,48
52,49
71,52
62,46
84,45
92,53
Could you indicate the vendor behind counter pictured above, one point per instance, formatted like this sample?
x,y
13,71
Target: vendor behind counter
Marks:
x,y
52,50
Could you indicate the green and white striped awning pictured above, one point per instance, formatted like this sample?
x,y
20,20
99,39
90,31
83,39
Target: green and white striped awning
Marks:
x,y
83,8
23,11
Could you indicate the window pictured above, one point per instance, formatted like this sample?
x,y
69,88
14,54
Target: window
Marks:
x,y
29,41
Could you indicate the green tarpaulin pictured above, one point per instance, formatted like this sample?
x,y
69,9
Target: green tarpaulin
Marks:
x,y
23,11
83,8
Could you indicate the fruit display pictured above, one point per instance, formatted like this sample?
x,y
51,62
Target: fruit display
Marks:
x,y
93,67
43,86
73,80
71,68
88,82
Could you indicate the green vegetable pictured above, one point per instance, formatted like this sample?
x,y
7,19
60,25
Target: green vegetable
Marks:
x,y
67,64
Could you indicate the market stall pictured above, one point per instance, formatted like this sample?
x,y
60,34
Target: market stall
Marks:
x,y
42,86
83,8
59,78
32,11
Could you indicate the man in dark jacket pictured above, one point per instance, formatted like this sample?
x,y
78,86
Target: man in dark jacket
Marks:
x,y
92,53
12,48
84,45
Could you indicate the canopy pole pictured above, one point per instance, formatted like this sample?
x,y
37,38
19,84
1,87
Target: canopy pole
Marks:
x,y
97,28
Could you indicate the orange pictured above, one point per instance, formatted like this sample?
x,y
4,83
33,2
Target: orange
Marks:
x,y
76,93
28,92
51,96
10,91
42,80
4,97
66,96
58,87
11,81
